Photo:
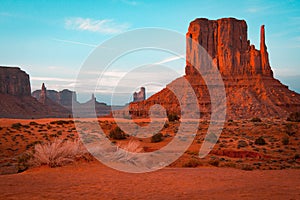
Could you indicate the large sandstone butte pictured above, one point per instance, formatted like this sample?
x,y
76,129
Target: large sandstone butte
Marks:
x,y
16,100
251,89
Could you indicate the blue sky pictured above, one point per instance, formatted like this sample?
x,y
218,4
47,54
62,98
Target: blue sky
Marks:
x,y
51,39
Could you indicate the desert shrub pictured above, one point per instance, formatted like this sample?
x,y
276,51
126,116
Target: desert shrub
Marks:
x,y
247,167
157,137
117,134
59,132
193,162
166,125
58,153
256,119
214,163
294,117
61,122
260,141
172,117
23,161
33,124
285,140
16,125
290,129
242,143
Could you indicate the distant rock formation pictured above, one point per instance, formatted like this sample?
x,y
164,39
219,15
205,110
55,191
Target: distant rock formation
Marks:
x,y
16,100
251,89
14,81
63,97
139,96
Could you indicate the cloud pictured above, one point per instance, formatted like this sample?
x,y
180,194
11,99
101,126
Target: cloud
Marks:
x,y
105,26
170,59
34,78
74,42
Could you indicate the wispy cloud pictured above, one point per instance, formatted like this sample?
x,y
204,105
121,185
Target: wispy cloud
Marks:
x,y
105,26
170,59
74,42
52,79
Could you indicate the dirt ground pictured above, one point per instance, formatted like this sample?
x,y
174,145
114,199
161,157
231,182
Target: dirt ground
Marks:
x,y
95,181
238,167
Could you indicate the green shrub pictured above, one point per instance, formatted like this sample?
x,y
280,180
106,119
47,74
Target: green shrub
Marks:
x,y
157,137
260,141
294,117
256,119
172,117
117,134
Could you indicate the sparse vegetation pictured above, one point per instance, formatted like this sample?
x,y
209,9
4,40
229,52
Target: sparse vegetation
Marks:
x,y
260,141
214,162
33,123
285,140
117,134
242,143
157,137
247,167
193,162
172,117
16,126
294,117
256,119
57,153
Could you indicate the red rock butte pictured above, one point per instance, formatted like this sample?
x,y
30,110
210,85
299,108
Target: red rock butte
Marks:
x,y
251,89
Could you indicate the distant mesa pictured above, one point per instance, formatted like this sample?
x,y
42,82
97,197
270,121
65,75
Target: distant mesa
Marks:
x,y
66,98
251,89
16,100
139,96
63,98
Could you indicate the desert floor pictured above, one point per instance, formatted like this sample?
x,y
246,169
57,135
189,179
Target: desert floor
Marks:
x,y
237,167
95,181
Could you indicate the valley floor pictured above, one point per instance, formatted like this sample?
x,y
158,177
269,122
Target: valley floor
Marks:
x,y
95,181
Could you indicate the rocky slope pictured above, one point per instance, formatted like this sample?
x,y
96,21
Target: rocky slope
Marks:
x,y
251,89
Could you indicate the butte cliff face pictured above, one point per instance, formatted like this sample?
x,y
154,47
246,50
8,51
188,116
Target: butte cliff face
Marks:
x,y
225,40
16,100
251,89
14,81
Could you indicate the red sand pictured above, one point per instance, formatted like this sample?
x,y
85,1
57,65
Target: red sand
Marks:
x,y
95,181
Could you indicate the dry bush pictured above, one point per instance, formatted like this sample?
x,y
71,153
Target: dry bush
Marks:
x,y
58,153
193,162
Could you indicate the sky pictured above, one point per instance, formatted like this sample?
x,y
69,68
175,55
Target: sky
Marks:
x,y
51,40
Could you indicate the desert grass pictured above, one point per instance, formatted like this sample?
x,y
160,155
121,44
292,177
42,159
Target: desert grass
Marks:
x,y
58,153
